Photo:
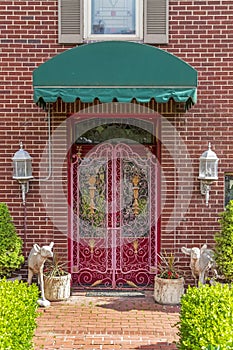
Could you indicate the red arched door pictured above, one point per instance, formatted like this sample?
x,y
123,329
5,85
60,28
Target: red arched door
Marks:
x,y
113,221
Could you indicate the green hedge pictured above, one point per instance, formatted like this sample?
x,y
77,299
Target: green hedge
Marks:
x,y
224,244
11,257
18,305
206,318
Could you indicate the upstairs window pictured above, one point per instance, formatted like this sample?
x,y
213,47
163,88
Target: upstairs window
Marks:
x,y
92,20
109,19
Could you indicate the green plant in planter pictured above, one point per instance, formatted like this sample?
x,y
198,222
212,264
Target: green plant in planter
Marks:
x,y
56,279
168,283
55,267
11,257
168,266
224,244
206,318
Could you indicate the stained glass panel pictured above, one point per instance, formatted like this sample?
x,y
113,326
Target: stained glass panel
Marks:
x,y
105,132
113,17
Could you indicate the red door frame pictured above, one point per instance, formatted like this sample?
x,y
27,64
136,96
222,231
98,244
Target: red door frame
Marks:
x,y
156,150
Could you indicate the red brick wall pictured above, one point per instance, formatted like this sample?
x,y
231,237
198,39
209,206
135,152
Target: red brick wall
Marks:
x,y
201,33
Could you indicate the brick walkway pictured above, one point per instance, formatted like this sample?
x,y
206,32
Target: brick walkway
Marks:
x,y
93,323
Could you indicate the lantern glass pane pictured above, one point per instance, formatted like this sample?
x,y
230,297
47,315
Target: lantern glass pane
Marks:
x,y
211,169
14,169
208,169
29,168
202,169
21,169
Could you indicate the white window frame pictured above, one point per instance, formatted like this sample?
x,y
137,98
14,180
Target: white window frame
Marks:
x,y
152,23
101,37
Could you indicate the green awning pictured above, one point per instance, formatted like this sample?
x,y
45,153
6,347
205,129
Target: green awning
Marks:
x,y
115,70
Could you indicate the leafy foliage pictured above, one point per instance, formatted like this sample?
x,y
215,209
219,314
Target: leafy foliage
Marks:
x,y
224,244
168,266
206,318
55,267
17,315
11,256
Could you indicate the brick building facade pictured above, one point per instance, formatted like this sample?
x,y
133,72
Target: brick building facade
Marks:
x,y
200,34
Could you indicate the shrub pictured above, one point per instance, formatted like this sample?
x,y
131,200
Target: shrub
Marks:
x,y
18,305
224,244
11,256
206,318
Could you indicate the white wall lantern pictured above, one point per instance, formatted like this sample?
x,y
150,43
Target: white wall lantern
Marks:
x,y
22,170
208,171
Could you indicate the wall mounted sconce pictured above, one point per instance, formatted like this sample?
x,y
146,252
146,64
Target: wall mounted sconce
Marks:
x,y
22,170
208,171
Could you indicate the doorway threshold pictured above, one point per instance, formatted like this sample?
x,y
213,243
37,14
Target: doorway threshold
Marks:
x,y
115,293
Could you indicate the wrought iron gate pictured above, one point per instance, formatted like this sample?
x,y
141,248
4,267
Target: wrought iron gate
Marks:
x,y
113,226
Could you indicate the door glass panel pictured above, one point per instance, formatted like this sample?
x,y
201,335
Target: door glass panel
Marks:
x,y
135,200
92,198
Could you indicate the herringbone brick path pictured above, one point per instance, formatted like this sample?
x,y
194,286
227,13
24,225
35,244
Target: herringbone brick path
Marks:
x,y
92,323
